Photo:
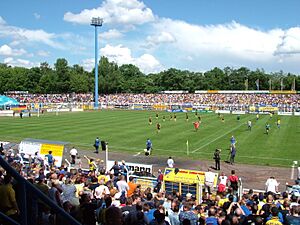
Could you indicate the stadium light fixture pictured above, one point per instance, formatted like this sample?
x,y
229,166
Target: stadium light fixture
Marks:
x,y
96,22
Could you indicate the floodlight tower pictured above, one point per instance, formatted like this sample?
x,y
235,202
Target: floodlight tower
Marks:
x,y
96,22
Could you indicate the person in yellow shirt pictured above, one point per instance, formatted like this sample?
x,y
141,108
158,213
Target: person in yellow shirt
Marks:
x,y
102,176
278,122
91,162
8,203
274,218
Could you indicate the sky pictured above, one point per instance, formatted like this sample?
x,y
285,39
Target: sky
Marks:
x,y
155,35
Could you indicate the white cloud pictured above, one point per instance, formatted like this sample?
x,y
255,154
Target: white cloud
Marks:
x,y
122,55
148,64
19,62
8,51
161,38
26,35
290,42
111,34
233,39
117,12
36,16
43,53
88,64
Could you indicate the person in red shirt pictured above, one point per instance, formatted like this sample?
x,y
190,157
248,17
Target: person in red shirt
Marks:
x,y
196,125
233,179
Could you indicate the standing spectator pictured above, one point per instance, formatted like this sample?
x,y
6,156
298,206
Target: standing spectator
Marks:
x,y
50,159
101,190
115,216
209,180
294,216
160,178
170,162
132,186
1,150
96,145
211,219
8,203
122,185
232,153
173,214
69,191
116,168
188,214
272,185
91,162
234,182
73,154
274,218
223,183
217,158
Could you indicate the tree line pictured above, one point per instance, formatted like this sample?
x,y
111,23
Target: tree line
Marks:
x,y
63,78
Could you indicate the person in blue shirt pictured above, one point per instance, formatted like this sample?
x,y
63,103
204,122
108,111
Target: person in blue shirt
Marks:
x,y
232,140
96,145
148,147
50,159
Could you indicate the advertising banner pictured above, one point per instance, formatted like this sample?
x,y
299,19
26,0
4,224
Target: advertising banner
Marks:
x,y
186,176
268,109
132,167
31,146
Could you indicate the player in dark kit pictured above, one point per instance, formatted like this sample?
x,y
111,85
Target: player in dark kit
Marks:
x,y
267,128
156,116
150,120
158,127
199,118
187,117
171,116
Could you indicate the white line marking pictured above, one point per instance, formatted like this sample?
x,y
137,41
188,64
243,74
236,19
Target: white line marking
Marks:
x,y
137,154
242,124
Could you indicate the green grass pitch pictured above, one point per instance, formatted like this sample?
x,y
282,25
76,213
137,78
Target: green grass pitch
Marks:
x,y
127,131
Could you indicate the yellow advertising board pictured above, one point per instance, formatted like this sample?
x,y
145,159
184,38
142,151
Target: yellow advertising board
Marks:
x,y
186,176
57,150
160,107
268,109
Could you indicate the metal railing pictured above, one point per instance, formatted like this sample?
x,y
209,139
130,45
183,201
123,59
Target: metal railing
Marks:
x,y
27,187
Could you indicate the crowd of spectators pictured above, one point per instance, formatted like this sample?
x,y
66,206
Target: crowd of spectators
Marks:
x,y
292,100
103,195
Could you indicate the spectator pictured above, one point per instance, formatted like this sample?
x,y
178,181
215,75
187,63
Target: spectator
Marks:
x,y
8,203
274,217
170,162
73,154
272,185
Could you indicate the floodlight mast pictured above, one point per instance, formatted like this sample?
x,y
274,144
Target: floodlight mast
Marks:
x,y
96,22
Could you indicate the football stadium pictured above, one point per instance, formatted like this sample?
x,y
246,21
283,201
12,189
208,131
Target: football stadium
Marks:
x,y
173,122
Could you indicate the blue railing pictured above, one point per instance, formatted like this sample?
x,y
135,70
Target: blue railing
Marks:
x,y
27,187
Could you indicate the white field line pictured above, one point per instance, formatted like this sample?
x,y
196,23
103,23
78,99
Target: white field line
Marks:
x,y
242,124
